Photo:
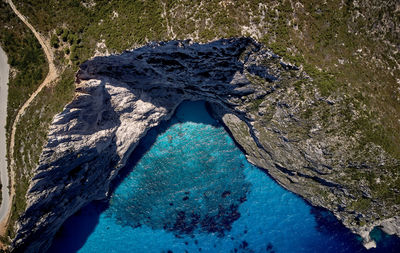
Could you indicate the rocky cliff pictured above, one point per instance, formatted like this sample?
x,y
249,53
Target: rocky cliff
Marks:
x,y
263,101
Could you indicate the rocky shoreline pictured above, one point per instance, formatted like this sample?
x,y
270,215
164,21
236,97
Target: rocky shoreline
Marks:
x,y
250,147
120,97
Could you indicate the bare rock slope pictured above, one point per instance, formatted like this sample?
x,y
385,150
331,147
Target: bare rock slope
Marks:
x,y
120,97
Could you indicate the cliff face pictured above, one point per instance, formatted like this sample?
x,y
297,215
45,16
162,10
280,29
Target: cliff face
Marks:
x,y
120,97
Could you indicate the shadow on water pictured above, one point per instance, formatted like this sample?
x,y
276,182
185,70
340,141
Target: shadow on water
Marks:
x,y
74,233
386,243
77,229
328,224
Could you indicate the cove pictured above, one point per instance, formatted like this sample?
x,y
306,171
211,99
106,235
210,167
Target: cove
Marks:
x,y
189,188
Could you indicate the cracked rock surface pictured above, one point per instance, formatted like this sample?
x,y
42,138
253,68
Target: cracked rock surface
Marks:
x,y
120,97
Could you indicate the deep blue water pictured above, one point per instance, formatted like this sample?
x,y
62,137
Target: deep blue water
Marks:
x,y
190,189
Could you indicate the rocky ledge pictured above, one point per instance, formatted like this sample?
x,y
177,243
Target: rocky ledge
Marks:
x,y
120,97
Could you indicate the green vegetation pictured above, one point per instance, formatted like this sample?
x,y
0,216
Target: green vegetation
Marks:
x,y
28,69
26,59
68,43
361,204
256,103
33,136
59,31
64,35
122,24
346,55
54,41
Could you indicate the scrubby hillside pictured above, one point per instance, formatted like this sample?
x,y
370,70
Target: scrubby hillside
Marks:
x,y
349,107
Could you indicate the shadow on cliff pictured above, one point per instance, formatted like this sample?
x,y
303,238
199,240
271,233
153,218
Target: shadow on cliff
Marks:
x,y
70,169
92,116
203,68
163,75
76,230
330,226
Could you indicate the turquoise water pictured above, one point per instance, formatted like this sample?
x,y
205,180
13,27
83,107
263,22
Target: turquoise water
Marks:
x,y
190,189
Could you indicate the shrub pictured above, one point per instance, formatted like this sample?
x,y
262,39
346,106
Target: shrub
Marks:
x,y
59,31
54,41
71,38
64,36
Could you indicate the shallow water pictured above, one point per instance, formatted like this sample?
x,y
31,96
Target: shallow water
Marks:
x,y
190,189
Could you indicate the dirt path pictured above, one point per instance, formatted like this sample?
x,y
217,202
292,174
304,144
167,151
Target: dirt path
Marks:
x,y
51,76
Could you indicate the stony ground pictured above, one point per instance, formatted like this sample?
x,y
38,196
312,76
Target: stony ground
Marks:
x,y
343,103
251,89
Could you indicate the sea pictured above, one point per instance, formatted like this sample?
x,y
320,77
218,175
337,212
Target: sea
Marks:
x,y
189,188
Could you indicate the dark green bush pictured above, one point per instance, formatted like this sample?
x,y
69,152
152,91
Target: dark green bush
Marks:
x,y
54,41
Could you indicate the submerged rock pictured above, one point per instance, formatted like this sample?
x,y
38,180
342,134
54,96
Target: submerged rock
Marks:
x,y
120,97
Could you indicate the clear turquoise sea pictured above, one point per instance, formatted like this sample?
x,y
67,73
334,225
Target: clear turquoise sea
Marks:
x,y
189,188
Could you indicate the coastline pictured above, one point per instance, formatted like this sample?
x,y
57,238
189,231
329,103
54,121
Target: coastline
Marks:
x,y
4,75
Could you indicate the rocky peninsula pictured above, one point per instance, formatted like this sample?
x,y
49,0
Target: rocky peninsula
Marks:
x,y
261,100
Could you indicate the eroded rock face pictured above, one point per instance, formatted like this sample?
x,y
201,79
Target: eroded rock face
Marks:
x,y
120,97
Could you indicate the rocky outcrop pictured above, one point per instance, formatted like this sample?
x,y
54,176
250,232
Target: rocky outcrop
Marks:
x,y
120,97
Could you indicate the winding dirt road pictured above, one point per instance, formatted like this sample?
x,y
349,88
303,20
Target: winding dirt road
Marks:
x,y
51,76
